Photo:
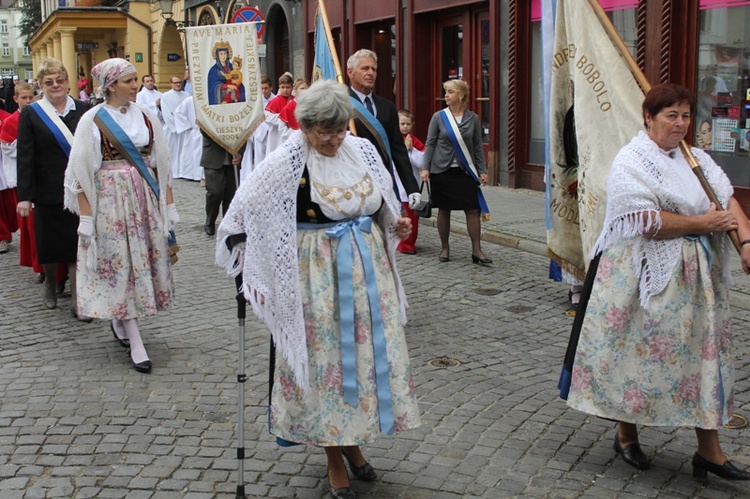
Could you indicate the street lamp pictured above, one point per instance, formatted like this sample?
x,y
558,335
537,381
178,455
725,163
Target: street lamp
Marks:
x,y
168,15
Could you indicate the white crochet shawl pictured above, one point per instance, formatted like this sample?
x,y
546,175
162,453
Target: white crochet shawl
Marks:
x,y
82,163
265,208
640,184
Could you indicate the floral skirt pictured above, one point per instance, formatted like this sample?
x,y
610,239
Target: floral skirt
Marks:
x,y
669,365
322,417
133,273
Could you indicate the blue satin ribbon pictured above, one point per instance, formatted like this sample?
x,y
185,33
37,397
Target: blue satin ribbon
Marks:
x,y
344,257
703,239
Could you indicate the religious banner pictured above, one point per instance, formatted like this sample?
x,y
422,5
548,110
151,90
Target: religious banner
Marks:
x,y
223,63
595,109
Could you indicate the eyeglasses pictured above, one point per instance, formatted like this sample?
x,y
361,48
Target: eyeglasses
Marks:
x,y
328,136
59,81
175,82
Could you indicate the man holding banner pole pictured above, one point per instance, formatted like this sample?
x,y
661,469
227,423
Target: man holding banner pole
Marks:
x,y
376,120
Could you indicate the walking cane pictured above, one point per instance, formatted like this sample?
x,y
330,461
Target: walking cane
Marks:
x,y
241,376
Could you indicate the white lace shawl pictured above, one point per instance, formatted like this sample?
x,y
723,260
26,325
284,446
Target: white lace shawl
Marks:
x,y
640,186
265,208
84,154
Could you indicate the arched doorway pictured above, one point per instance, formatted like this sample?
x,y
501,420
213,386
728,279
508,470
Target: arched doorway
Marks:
x,y
278,59
171,57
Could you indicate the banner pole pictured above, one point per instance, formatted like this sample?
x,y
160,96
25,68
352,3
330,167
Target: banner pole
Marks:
x,y
329,37
646,86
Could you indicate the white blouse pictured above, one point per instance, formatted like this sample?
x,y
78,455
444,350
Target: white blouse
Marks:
x,y
133,124
341,186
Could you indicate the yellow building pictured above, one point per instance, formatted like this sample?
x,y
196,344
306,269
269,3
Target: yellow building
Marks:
x,y
84,33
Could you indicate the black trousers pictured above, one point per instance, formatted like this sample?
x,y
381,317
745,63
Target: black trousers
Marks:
x,y
221,185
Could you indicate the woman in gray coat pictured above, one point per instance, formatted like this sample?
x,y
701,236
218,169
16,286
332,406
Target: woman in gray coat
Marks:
x,y
452,186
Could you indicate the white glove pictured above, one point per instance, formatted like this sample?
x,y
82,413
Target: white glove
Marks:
x,y
86,227
172,216
414,199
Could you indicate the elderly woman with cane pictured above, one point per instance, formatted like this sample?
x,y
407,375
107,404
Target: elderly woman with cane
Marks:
x,y
118,180
655,344
322,224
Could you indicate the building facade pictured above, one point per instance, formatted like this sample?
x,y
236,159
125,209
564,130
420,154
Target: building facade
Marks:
x,y
15,56
492,44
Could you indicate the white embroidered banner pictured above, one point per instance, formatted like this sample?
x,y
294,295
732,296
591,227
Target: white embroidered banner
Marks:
x,y
224,69
588,71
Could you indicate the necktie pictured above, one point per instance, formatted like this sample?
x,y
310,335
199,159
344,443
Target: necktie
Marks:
x,y
368,105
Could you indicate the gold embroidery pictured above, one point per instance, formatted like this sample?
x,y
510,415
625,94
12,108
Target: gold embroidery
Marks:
x,y
336,195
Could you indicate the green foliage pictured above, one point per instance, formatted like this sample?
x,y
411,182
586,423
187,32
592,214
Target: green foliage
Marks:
x,y
31,19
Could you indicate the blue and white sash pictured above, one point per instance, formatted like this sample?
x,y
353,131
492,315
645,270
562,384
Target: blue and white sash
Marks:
x,y
49,116
123,143
464,157
377,130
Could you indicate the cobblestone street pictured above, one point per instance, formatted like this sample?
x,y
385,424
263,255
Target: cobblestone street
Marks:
x,y
76,420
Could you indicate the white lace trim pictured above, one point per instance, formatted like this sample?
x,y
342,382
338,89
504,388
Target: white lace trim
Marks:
x,y
264,208
640,186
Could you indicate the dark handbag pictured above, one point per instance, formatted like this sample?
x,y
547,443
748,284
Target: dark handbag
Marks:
x,y
424,208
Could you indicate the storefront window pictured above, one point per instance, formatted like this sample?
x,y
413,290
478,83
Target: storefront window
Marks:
x,y
622,13
722,124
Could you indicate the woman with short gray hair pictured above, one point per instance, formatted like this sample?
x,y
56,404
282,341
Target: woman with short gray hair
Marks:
x,y
322,222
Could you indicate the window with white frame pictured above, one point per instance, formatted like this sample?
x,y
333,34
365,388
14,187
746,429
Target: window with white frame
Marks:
x,y
3,26
7,73
6,50
29,74
26,50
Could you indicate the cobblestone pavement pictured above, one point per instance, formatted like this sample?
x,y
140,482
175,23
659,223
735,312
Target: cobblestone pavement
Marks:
x,y
77,421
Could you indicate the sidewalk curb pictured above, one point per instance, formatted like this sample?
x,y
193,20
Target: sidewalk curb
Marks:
x,y
736,299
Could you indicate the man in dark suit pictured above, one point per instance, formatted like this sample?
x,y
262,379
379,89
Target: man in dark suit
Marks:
x,y
41,171
362,68
222,171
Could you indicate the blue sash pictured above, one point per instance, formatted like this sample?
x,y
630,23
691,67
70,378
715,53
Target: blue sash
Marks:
x,y
372,123
464,161
128,148
344,231
53,127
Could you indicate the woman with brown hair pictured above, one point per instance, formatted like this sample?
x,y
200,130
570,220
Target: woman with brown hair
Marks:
x,y
655,345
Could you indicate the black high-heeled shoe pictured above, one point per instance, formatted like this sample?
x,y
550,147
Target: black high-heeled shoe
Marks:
x,y
125,343
483,261
727,471
141,367
366,472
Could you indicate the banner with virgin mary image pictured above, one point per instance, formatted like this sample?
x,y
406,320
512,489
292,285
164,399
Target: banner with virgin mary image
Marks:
x,y
224,67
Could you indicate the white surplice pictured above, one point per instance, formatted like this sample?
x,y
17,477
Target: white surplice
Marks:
x,y
192,146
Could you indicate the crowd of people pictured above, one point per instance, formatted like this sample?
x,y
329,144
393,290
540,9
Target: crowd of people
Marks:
x,y
322,212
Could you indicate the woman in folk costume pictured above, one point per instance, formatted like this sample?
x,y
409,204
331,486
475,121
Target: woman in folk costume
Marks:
x,y
45,135
118,180
322,224
453,185
655,346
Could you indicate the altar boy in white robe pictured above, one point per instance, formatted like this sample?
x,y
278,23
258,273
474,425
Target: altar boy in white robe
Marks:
x,y
255,152
192,145
170,101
